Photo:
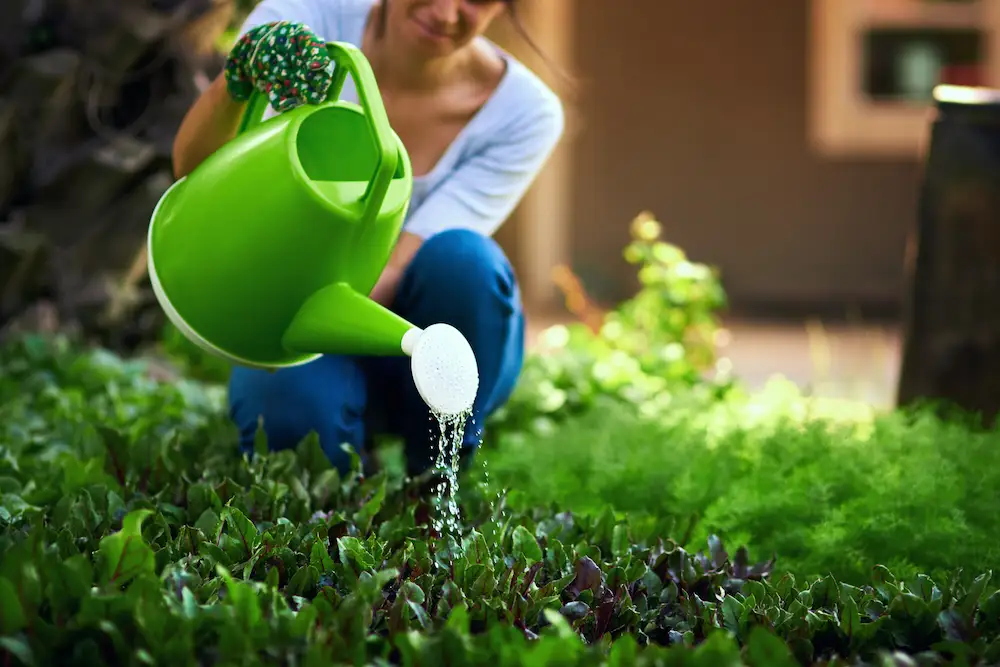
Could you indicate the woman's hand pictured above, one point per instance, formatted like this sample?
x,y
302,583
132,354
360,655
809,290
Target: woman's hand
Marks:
x,y
283,60
286,61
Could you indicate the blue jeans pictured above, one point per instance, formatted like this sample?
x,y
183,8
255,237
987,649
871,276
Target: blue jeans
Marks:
x,y
459,277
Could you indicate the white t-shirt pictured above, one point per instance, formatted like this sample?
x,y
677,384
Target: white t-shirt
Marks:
x,y
486,170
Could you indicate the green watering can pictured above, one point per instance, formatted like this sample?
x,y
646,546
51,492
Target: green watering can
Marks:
x,y
265,254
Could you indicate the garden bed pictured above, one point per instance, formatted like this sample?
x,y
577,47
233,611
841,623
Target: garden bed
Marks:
x,y
132,533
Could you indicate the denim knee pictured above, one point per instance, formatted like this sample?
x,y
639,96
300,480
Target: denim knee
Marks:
x,y
460,270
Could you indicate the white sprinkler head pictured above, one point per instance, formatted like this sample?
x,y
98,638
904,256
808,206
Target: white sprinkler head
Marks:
x,y
444,369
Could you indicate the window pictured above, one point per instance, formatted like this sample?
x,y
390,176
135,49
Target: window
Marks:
x,y
875,63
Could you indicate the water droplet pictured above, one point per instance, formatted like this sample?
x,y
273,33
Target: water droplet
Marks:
x,y
446,520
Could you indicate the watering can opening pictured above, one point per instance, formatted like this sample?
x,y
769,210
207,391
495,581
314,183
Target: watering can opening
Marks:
x,y
346,173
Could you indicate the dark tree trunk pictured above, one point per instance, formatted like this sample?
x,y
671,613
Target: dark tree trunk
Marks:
x,y
91,95
951,350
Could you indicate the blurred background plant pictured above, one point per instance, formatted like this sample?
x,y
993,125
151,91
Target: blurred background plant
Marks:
x,y
652,345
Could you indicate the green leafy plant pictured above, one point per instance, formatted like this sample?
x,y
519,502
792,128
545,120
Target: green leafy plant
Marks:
x,y
655,344
131,533
904,489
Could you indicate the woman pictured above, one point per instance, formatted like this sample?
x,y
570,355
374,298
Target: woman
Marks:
x,y
478,127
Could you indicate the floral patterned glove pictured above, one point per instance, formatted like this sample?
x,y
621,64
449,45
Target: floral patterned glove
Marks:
x,y
285,61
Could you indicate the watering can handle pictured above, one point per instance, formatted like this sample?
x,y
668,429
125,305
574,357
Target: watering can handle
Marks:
x,y
350,60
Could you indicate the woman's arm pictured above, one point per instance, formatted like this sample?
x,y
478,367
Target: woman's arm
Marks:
x,y
485,188
209,123
213,118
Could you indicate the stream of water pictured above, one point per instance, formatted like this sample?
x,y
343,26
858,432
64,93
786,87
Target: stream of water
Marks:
x,y
451,433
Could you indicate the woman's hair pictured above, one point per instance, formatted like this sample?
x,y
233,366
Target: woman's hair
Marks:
x,y
514,18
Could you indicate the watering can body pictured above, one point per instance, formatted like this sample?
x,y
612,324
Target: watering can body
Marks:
x,y
265,254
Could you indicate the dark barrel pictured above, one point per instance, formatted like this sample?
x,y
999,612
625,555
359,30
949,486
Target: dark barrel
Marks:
x,y
951,328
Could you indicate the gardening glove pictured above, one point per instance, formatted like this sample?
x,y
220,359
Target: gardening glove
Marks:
x,y
286,61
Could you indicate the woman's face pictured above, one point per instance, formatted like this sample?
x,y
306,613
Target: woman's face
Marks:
x,y
439,27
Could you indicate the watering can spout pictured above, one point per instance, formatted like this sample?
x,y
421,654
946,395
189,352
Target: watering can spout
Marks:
x,y
338,320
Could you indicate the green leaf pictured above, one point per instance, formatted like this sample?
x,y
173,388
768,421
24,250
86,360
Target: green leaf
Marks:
x,y
351,550
68,583
885,583
243,530
785,587
241,596
850,618
12,617
419,613
718,650
732,612
755,589
525,545
260,447
125,553
320,559
374,503
764,649
624,652
975,593
475,547
620,540
304,581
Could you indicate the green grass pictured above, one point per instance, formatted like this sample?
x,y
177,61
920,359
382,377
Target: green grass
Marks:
x,y
829,486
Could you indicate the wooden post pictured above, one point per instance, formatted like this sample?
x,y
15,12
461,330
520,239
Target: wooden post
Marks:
x,y
951,345
537,234
545,221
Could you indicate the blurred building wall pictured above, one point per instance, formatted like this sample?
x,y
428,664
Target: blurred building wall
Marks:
x,y
696,111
